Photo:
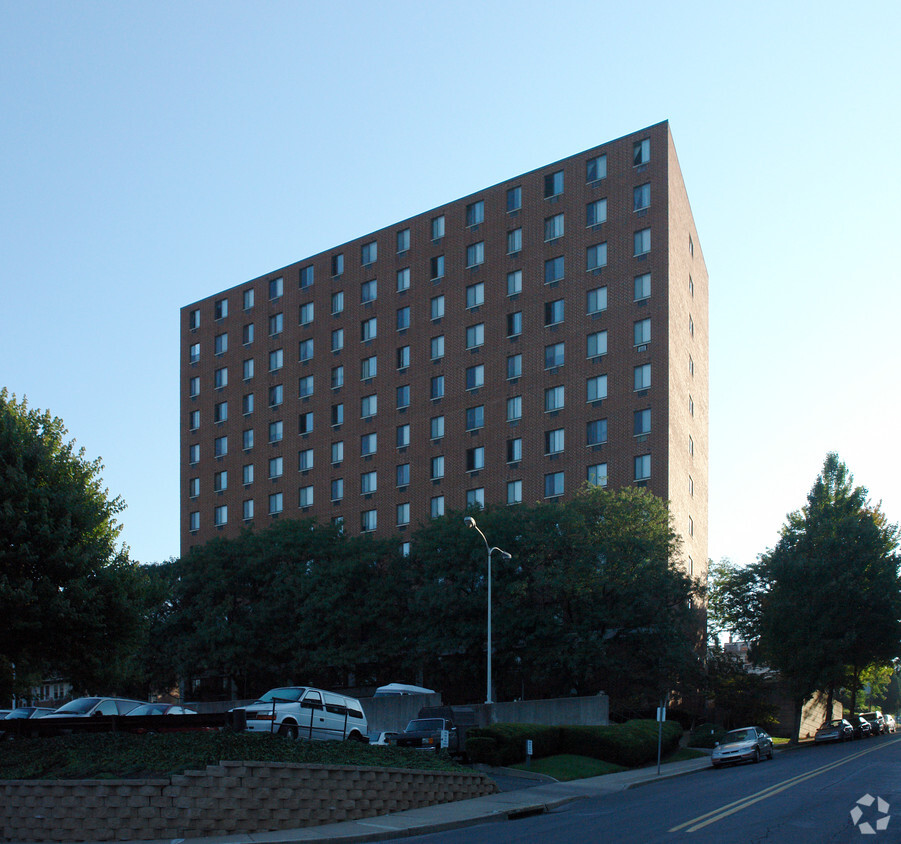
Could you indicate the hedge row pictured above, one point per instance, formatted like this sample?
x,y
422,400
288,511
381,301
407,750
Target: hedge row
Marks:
x,y
630,744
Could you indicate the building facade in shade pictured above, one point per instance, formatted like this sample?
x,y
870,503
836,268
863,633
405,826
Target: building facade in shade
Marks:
x,y
504,348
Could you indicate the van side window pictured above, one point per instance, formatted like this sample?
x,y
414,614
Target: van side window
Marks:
x,y
312,701
354,713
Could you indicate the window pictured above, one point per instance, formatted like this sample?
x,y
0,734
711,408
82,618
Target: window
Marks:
x,y
248,369
437,307
436,427
338,452
437,468
221,344
247,509
437,267
194,454
475,377
596,432
553,355
514,450
368,329
437,347
368,521
514,366
475,458
276,360
514,324
276,467
553,441
338,302
247,439
596,300
276,431
691,486
553,312
403,279
691,366
642,376
514,283
368,483
220,446
514,492
475,497
553,227
403,240
553,398
475,254
247,474
403,357
475,336
305,386
596,212
643,467
337,339
403,474
596,168
475,213
194,353
437,227
553,484
369,367
642,242
194,521
305,460
596,388
307,313
247,334
369,253
642,287
403,514
194,419
475,417
436,387
403,436
553,270
514,199
641,197
597,474
194,387
337,265
403,396
306,277
641,332
691,446
475,295
194,319
641,422
514,408
305,496
553,184
221,378
276,395
220,309
220,481
337,377
691,406
514,241
437,506
641,152
597,344
369,406
276,503
368,291
276,287
691,251
596,256
691,326
305,349
368,444
305,423
220,515
337,414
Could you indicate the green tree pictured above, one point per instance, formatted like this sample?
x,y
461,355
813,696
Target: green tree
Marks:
x,y
70,597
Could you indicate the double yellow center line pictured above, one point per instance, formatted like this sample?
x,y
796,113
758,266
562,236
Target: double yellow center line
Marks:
x,y
731,808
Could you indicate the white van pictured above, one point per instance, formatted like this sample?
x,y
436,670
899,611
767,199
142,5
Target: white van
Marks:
x,y
303,712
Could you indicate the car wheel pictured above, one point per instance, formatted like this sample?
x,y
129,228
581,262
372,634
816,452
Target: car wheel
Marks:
x,y
756,757
770,757
288,731
355,736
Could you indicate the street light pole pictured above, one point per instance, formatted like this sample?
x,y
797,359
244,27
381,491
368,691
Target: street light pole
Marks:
x,y
470,522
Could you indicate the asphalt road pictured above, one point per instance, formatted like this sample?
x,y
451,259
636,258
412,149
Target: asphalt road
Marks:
x,y
808,794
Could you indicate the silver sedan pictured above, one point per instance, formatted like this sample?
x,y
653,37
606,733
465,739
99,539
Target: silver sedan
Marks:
x,y
749,744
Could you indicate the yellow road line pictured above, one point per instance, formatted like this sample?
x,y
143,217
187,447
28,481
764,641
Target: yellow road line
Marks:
x,y
737,805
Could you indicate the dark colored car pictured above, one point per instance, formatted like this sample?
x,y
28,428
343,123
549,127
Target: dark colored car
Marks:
x,y
838,729
29,712
862,727
85,707
749,744
161,709
425,734
877,722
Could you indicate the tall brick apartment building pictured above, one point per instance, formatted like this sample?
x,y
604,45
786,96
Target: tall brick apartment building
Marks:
x,y
502,348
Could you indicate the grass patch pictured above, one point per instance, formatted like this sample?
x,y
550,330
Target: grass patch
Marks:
x,y
126,755
568,766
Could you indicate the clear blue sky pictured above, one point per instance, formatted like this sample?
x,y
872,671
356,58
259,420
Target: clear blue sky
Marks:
x,y
154,153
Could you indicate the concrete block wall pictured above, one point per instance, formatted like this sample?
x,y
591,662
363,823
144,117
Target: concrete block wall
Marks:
x,y
224,799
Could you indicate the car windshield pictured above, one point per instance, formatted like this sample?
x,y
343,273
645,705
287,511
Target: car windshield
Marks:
x,y
80,706
423,724
837,723
740,735
289,693
20,712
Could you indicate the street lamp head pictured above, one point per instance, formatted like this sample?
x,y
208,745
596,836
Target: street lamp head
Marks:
x,y
469,521
506,555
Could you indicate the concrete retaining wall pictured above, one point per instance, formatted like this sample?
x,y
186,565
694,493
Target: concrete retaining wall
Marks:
x,y
225,799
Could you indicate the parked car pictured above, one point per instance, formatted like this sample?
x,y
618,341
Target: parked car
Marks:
x,y
303,712
838,729
862,727
748,744
877,721
161,709
29,712
84,707
890,725
381,739
425,734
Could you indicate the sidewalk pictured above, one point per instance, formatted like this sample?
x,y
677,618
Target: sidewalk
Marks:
x,y
506,805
